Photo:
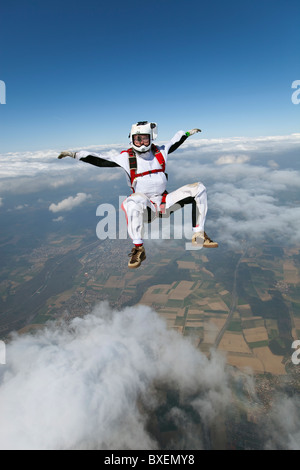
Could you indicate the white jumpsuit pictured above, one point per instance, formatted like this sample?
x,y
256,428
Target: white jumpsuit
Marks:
x,y
148,189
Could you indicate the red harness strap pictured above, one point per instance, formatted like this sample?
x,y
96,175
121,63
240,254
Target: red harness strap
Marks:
x,y
162,207
133,164
133,174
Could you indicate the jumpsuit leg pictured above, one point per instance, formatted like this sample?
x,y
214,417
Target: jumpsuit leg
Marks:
x,y
191,193
134,207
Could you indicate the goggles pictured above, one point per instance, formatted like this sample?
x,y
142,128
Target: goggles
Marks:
x,y
140,139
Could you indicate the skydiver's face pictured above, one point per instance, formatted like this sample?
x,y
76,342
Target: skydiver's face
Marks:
x,y
141,139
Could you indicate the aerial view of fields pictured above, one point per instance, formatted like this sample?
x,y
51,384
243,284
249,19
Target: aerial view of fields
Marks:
x,y
245,303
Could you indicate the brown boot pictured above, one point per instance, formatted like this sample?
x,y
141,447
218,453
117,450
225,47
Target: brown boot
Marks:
x,y
201,239
137,255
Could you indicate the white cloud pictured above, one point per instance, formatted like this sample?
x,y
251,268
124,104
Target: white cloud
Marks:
x,y
212,149
281,429
30,164
251,205
96,383
26,172
273,164
249,201
58,219
21,207
1,201
31,172
100,381
230,159
69,203
247,179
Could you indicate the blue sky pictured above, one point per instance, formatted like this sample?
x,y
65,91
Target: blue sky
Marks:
x,y
80,73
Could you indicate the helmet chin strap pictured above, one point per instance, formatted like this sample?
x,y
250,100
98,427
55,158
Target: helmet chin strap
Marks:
x,y
141,149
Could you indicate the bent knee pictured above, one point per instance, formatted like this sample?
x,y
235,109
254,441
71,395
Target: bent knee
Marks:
x,y
137,197
197,188
136,201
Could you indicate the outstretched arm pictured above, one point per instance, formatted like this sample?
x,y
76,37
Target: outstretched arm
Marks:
x,y
89,157
179,138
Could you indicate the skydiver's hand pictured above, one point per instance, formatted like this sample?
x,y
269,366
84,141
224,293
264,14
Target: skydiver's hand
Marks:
x,y
192,132
66,154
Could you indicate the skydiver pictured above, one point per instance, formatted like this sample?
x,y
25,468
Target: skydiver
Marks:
x,y
144,164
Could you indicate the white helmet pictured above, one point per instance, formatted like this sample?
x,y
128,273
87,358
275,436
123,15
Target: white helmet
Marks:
x,y
142,134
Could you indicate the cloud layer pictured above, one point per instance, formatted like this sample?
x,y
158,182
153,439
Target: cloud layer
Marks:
x,y
97,382
102,382
281,428
253,191
250,196
32,172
